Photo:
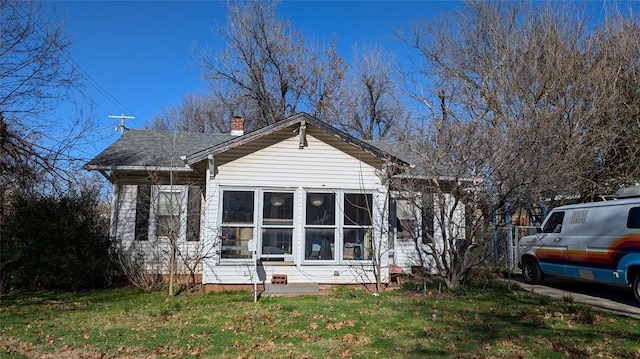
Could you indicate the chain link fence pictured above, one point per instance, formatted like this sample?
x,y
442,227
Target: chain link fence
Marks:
x,y
505,245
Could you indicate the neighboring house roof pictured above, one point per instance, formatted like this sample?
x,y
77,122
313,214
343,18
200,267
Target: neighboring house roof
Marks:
x,y
423,165
399,149
145,149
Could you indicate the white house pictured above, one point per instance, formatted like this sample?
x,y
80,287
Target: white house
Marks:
x,y
294,202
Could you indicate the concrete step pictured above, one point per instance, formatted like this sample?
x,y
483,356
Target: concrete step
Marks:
x,y
290,289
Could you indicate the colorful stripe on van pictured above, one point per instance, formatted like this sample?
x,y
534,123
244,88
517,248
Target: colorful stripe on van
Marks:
x,y
607,259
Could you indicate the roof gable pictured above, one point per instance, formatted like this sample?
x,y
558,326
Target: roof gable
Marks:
x,y
293,125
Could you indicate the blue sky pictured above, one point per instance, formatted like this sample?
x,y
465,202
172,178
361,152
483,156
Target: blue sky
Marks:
x,y
137,54
137,57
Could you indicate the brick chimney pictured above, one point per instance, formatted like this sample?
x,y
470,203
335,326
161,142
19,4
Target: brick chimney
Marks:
x,y
237,126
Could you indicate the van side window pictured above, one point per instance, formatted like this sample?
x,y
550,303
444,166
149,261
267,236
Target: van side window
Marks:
x,y
634,218
554,224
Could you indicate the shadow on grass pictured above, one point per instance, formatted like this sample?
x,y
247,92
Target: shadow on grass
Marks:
x,y
473,321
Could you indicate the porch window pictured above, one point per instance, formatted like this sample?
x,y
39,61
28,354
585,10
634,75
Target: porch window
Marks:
x,y
407,220
168,214
237,224
320,226
357,228
277,225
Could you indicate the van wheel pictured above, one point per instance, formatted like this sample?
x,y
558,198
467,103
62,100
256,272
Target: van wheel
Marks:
x,y
531,272
636,287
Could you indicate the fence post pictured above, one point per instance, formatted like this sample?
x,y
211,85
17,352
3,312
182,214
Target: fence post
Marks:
x,y
509,245
496,247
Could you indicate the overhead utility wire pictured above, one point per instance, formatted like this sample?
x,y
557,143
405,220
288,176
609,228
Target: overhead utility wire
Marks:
x,y
84,74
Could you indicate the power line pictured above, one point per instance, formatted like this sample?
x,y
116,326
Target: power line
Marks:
x,y
92,82
97,86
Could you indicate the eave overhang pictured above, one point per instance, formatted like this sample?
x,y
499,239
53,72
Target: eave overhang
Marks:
x,y
302,119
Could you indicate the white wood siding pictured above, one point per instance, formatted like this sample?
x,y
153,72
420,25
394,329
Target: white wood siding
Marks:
x,y
154,251
282,165
405,253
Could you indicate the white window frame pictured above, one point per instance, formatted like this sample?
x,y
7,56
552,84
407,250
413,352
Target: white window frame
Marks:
x,y
299,225
410,205
344,226
339,227
261,225
335,226
237,224
154,208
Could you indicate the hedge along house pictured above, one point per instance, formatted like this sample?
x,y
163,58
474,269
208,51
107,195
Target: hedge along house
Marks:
x,y
310,202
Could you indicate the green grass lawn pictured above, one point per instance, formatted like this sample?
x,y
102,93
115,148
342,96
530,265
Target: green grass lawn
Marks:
x,y
494,321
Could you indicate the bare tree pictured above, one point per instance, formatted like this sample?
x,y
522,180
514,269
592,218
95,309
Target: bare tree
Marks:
x,y
445,187
162,236
611,142
35,75
269,67
522,112
268,71
370,107
528,75
196,113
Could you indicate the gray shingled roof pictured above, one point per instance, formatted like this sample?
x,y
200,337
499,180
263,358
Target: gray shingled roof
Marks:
x,y
413,155
146,148
163,149
140,149
399,149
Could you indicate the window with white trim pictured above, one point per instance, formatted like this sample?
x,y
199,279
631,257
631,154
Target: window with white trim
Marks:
x,y
336,226
320,227
407,220
168,214
357,227
237,224
277,225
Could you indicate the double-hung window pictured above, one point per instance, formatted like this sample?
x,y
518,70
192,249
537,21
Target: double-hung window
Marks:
x,y
277,225
357,228
168,214
320,226
407,220
237,224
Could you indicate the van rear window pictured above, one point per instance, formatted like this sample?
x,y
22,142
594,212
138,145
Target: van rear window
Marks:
x,y
634,218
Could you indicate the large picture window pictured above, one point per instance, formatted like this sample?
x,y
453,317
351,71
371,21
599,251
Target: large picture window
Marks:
x,y
320,226
237,224
277,225
334,227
